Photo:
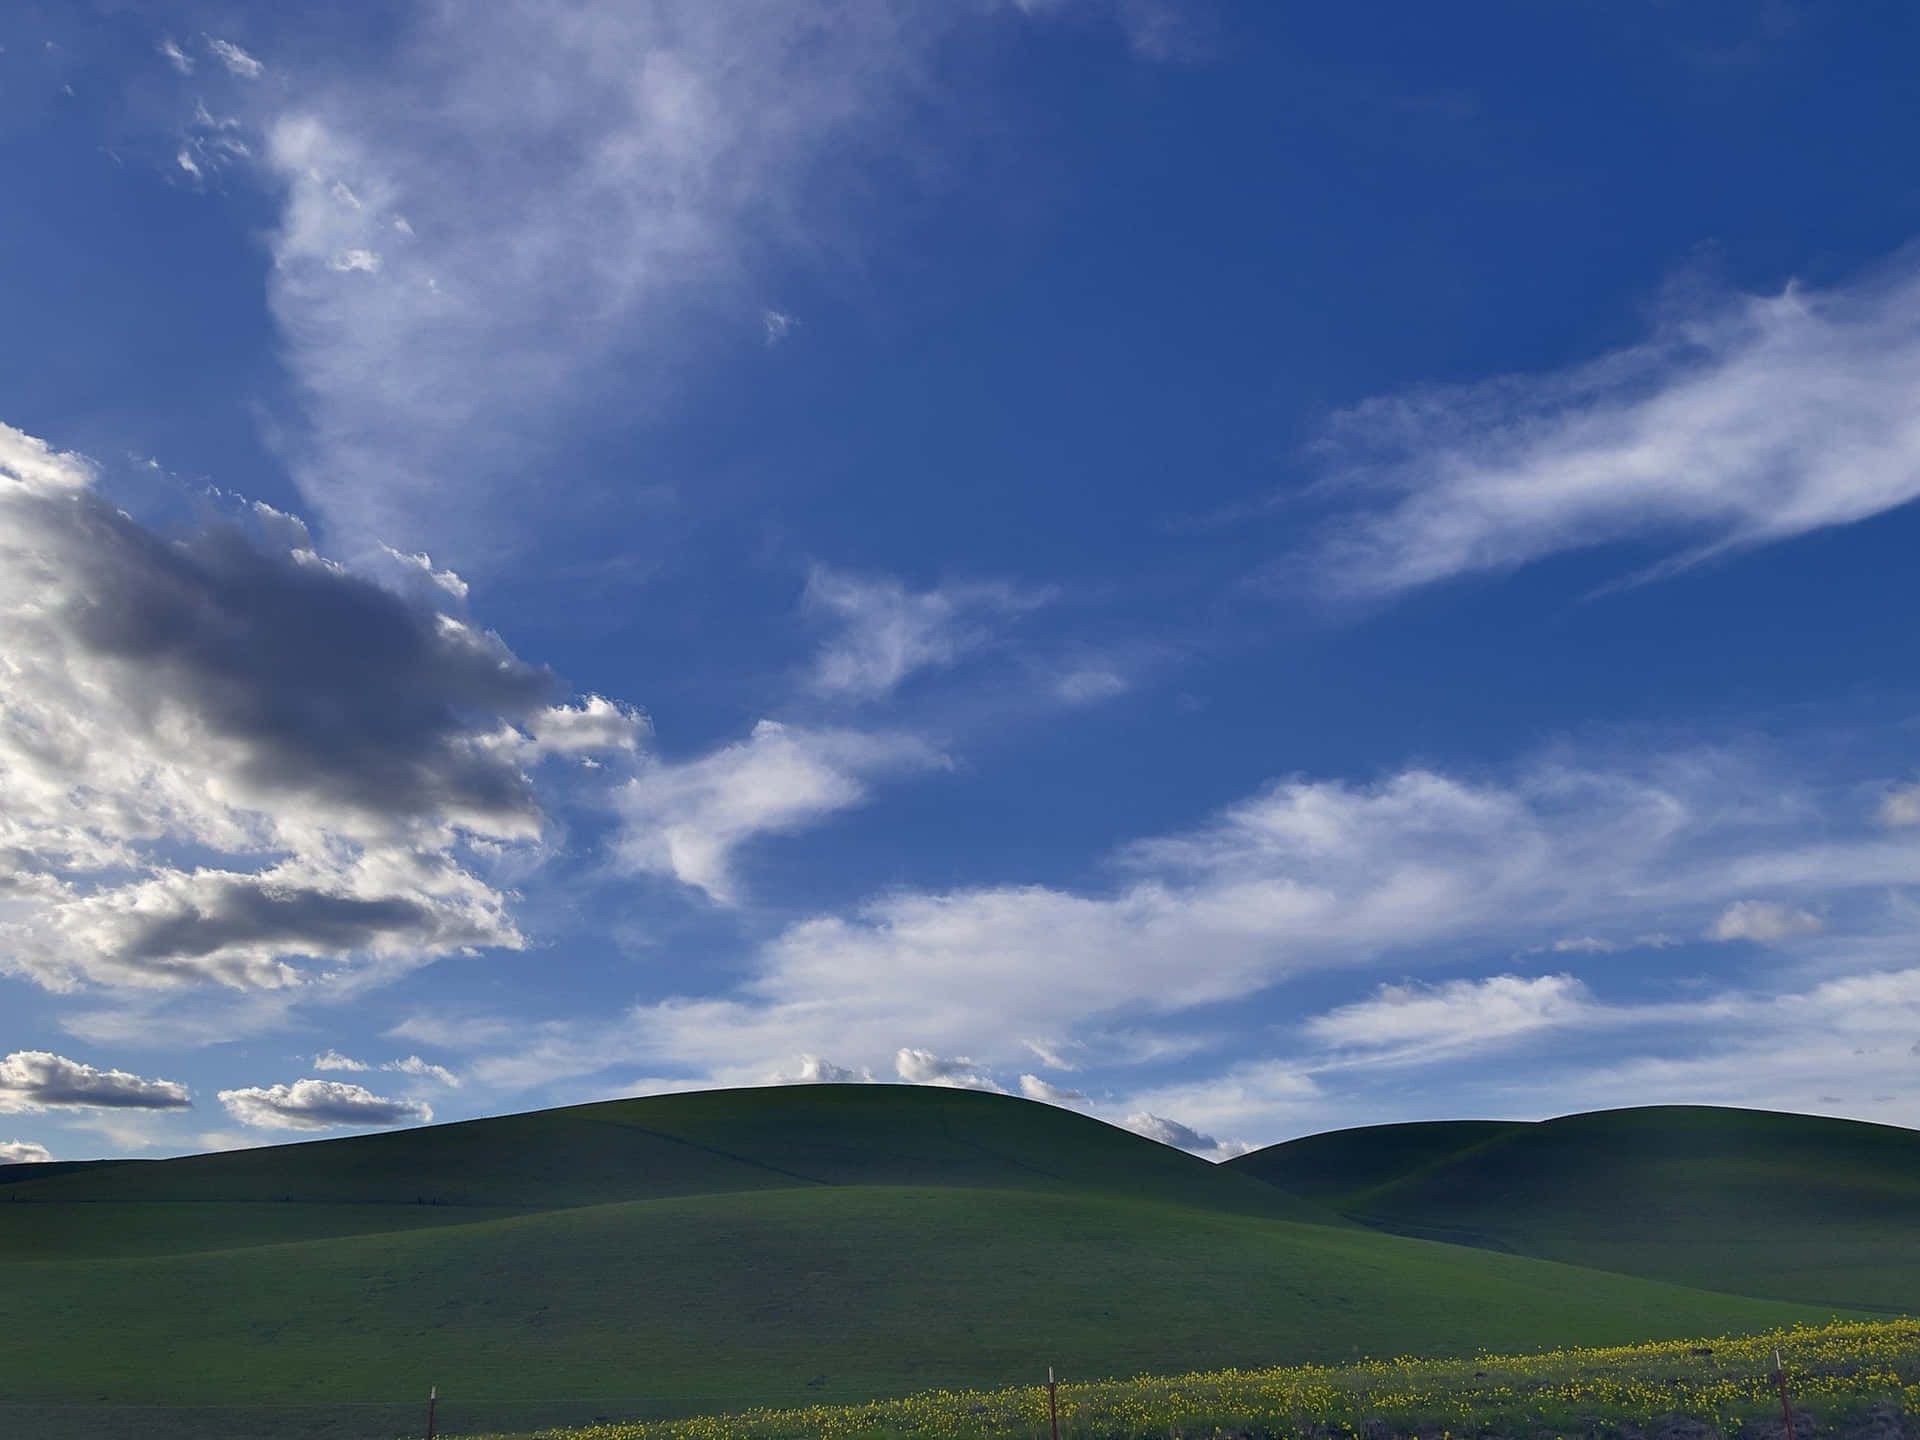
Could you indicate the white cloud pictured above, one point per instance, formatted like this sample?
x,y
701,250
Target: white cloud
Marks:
x,y
888,632
652,154
334,1060
1183,1137
923,1067
174,55
1763,921
335,756
1736,424
414,1065
1901,807
422,563
237,61
1417,1021
23,1152
1089,685
596,726
815,1071
38,1080
1034,1088
320,1105
778,325
367,262
688,820
208,144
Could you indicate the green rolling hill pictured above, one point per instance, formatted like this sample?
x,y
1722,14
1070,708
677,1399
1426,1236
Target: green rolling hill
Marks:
x,y
1744,1201
725,1249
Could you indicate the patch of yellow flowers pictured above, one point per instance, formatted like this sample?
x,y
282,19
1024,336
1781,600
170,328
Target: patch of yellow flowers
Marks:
x,y
1833,1371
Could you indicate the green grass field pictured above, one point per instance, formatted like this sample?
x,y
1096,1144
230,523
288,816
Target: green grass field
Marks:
x,y
1789,1206
1848,1379
710,1252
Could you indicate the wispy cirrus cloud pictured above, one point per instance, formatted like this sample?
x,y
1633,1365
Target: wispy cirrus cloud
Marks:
x,y
655,152
688,820
887,632
1419,869
1741,421
1415,1021
233,59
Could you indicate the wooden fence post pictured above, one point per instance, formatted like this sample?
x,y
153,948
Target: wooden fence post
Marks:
x,y
1053,1406
433,1400
1786,1408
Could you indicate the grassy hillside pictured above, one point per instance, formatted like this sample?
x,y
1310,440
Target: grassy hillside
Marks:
x,y
1847,1380
781,1296
719,1250
710,1142
1789,1206
1334,1167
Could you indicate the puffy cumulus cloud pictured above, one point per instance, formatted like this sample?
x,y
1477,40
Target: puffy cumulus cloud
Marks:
x,y
813,1070
687,820
1414,1021
1269,1098
1764,921
39,1080
923,1067
420,564
1034,1088
334,1060
23,1152
1738,423
1183,1137
319,1105
887,632
331,753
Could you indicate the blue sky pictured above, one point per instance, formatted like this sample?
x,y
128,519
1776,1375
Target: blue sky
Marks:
x,y
1239,568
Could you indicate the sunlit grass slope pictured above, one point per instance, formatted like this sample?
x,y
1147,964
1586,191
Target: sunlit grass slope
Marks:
x,y
1847,1378
1753,1202
779,1297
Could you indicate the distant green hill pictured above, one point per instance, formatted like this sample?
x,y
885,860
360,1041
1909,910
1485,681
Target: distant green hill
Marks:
x,y
706,1143
1334,1167
726,1249
1744,1201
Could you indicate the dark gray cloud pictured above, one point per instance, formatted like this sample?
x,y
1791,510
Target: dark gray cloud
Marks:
x,y
343,750
39,1080
320,1105
326,685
